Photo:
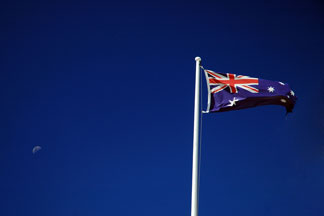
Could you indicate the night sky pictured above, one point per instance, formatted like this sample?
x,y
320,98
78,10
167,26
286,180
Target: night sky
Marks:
x,y
106,88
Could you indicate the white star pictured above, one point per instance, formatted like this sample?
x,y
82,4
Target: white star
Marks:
x,y
281,83
232,102
271,89
283,101
288,96
292,93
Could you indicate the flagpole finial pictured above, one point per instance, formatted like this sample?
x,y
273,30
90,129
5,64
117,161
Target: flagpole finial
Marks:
x,y
198,58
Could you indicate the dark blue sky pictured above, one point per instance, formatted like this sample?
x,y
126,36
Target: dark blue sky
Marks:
x,y
107,89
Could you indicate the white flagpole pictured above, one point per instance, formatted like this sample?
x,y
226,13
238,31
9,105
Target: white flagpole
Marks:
x,y
195,155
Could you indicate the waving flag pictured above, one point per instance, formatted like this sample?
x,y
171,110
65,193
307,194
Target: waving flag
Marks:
x,y
232,92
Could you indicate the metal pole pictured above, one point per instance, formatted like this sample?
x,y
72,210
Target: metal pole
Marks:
x,y
195,155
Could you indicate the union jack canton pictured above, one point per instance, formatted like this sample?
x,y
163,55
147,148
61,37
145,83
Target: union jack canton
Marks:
x,y
232,92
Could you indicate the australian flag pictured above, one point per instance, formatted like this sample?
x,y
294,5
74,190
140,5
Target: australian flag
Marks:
x,y
232,92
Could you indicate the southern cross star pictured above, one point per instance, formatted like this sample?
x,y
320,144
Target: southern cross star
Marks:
x,y
232,102
283,100
292,93
271,89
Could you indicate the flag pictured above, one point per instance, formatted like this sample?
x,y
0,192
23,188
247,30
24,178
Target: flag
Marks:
x,y
233,92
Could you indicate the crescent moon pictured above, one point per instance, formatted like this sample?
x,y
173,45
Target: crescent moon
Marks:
x,y
36,149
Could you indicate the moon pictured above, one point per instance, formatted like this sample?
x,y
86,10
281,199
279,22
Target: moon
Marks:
x,y
36,149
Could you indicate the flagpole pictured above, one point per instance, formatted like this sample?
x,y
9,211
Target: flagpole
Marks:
x,y
195,153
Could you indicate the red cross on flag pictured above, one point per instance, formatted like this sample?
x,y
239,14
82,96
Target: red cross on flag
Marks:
x,y
232,81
